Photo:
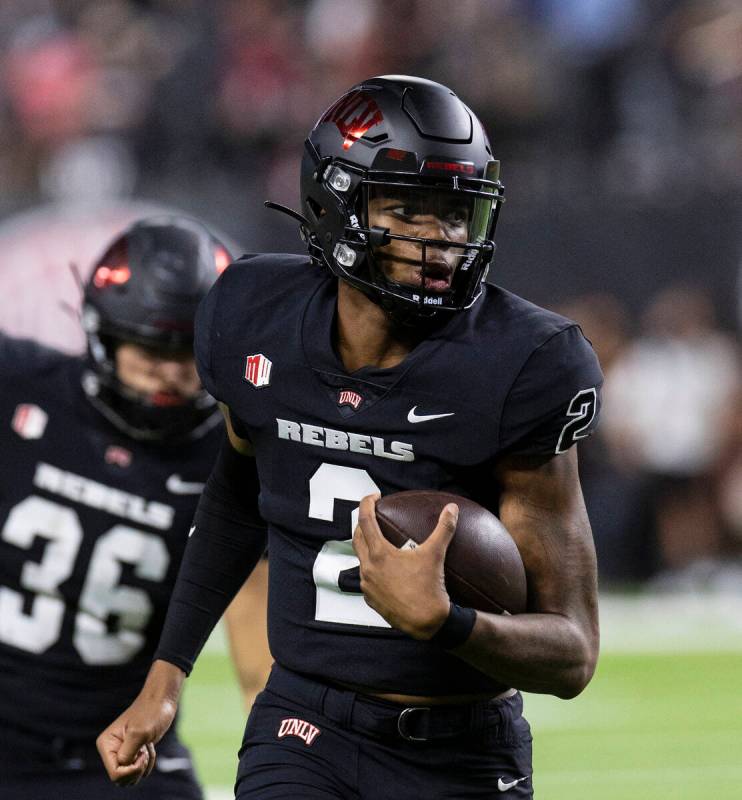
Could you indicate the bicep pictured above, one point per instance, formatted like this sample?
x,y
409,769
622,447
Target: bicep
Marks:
x,y
542,507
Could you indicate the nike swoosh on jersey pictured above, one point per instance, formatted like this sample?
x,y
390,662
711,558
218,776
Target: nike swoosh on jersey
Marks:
x,y
175,485
413,417
164,764
503,786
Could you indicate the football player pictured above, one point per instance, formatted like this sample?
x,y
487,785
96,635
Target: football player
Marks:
x,y
102,461
385,363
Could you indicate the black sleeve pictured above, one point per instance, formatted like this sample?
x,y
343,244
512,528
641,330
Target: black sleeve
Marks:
x,y
227,540
555,400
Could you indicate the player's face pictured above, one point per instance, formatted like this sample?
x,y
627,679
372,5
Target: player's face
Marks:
x,y
424,214
169,378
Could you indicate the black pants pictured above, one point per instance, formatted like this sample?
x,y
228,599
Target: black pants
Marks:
x,y
307,740
63,770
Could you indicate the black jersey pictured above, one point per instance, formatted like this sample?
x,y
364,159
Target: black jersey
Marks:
x,y
92,530
506,376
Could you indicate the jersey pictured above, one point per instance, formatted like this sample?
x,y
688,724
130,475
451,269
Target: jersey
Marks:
x,y
92,530
503,377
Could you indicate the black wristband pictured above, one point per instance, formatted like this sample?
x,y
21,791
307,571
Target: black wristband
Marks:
x,y
456,629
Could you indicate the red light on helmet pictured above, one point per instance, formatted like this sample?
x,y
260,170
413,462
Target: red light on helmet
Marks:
x,y
450,167
111,276
222,260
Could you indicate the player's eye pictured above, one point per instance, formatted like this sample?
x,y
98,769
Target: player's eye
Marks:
x,y
457,217
405,211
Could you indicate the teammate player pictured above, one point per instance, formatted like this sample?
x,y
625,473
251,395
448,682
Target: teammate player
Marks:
x,y
384,363
102,460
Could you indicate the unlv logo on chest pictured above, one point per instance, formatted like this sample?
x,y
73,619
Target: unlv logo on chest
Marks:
x,y
355,114
119,456
347,397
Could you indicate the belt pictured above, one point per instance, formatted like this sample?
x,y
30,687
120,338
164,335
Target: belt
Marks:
x,y
388,720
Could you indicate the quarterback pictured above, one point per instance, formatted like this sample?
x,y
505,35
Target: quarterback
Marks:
x,y
381,363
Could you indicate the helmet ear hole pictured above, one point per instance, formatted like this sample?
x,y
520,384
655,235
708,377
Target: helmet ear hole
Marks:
x,y
315,208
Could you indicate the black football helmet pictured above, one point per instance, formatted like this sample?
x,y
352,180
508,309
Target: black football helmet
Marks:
x,y
145,289
413,140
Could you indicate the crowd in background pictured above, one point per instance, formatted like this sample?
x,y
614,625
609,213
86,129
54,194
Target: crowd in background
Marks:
x,y
619,126
640,96
663,476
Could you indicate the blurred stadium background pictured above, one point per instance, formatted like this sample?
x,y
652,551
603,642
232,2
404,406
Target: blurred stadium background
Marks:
x,y
619,127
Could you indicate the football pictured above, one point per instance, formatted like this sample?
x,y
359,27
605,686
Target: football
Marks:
x,y
483,567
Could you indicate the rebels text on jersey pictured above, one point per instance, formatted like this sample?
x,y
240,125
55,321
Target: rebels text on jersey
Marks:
x,y
92,530
507,376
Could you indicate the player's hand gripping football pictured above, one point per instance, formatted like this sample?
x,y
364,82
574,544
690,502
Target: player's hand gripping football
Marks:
x,y
127,745
406,587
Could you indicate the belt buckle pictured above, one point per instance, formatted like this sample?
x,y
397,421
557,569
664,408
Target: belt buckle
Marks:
x,y
404,714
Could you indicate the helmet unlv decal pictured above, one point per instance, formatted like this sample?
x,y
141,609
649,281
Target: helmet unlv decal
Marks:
x,y
399,168
145,289
354,114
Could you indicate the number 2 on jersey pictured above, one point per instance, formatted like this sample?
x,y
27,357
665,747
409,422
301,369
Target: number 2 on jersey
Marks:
x,y
329,483
581,411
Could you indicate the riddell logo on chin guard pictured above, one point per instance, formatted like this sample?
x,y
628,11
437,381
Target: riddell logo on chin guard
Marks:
x,y
300,728
428,301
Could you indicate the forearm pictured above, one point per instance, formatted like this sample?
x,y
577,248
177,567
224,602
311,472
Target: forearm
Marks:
x,y
552,649
542,653
214,568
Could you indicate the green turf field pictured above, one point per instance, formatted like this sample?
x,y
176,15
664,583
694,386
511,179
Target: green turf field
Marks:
x,y
665,726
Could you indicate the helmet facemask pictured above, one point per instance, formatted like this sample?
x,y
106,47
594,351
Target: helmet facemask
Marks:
x,y
154,417
416,245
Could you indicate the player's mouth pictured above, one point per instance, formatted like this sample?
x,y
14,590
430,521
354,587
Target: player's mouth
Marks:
x,y
438,276
167,399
